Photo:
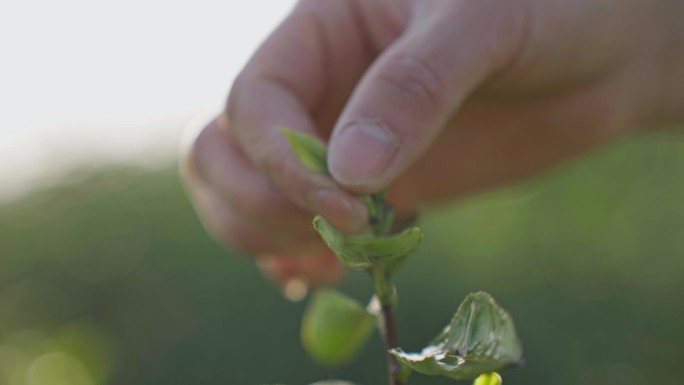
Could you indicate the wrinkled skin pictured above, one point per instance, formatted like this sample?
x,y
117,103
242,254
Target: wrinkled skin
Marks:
x,y
435,99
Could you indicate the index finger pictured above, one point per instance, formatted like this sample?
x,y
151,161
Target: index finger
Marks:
x,y
304,70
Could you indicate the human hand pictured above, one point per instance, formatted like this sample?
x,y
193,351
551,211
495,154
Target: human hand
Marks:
x,y
435,99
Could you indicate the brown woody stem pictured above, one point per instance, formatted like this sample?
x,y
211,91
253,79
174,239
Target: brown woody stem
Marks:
x,y
391,342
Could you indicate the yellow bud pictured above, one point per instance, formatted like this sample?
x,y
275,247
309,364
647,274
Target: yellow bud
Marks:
x,y
488,379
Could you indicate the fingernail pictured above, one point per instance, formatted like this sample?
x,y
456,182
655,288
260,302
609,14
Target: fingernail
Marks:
x,y
344,212
362,153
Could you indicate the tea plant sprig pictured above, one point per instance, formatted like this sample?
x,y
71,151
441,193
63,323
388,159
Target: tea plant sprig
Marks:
x,y
480,340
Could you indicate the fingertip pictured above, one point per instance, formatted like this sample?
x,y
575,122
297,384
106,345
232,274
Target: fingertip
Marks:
x,y
362,154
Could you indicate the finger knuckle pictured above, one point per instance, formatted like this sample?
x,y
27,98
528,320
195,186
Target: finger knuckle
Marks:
x,y
239,83
412,80
200,150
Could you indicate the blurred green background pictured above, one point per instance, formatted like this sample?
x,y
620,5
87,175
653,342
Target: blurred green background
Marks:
x,y
108,278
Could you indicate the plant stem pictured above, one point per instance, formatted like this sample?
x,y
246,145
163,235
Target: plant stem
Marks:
x,y
387,297
381,217
391,342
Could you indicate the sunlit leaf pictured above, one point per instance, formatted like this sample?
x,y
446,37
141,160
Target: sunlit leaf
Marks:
x,y
365,252
488,379
481,338
335,328
310,151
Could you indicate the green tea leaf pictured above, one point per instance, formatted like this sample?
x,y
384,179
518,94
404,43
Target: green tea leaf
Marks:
x,y
481,338
488,379
310,151
365,252
335,328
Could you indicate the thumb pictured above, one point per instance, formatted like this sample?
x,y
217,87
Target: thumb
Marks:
x,y
411,90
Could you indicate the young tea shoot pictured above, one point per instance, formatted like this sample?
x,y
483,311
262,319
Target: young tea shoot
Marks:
x,y
480,340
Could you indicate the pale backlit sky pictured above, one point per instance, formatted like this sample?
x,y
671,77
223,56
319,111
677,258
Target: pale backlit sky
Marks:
x,y
82,79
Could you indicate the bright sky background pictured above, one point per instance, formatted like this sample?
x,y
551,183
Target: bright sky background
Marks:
x,y
83,79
